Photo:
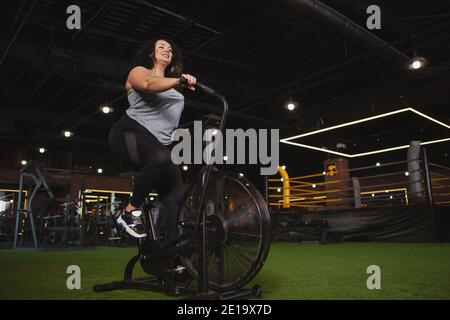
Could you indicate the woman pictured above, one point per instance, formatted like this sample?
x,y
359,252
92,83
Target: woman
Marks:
x,y
142,136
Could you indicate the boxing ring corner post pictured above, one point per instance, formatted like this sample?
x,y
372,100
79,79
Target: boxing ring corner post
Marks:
x,y
286,187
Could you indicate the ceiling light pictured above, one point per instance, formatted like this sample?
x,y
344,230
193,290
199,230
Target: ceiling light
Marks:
x,y
106,109
417,63
67,134
291,105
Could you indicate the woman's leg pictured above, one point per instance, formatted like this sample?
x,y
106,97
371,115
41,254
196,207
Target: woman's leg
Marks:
x,y
123,143
142,152
155,170
170,192
162,175
146,154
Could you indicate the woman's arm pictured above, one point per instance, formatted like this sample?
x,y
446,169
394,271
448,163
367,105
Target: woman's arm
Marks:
x,y
140,79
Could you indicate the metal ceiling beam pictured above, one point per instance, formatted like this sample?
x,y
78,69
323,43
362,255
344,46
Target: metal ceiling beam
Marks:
x,y
205,107
349,29
338,69
221,61
128,27
14,38
18,15
19,77
104,66
204,14
391,21
39,86
188,20
98,15
387,95
62,91
245,20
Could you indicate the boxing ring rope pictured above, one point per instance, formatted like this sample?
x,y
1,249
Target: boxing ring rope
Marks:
x,y
297,192
439,175
367,199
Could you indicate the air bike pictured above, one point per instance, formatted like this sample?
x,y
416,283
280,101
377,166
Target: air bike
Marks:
x,y
224,227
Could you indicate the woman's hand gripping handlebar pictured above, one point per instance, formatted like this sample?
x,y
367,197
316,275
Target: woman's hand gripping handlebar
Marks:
x,y
184,82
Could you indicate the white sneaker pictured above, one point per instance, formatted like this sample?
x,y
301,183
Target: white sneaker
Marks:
x,y
133,224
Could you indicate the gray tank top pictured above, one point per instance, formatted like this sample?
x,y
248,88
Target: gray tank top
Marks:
x,y
159,113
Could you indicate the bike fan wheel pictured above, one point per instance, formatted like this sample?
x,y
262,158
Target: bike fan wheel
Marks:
x,y
238,227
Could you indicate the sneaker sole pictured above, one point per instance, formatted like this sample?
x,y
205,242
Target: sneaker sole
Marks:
x,y
129,230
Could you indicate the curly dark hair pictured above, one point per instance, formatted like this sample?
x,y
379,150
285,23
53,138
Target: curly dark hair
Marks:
x,y
142,58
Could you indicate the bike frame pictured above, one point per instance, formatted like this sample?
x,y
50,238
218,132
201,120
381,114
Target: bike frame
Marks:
x,y
201,213
170,286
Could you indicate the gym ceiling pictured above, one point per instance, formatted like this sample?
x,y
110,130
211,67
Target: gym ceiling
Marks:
x,y
259,54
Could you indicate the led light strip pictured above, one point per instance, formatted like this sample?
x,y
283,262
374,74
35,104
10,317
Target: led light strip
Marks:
x,y
316,148
112,191
348,124
287,140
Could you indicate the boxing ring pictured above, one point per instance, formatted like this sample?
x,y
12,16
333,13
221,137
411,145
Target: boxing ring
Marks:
x,y
401,201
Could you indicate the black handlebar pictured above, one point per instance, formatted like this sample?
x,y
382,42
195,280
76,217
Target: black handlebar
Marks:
x,y
210,91
201,86
206,89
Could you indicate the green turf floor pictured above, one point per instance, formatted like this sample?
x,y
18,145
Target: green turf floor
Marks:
x,y
292,271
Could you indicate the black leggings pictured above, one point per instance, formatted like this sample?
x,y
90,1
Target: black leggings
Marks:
x,y
137,148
